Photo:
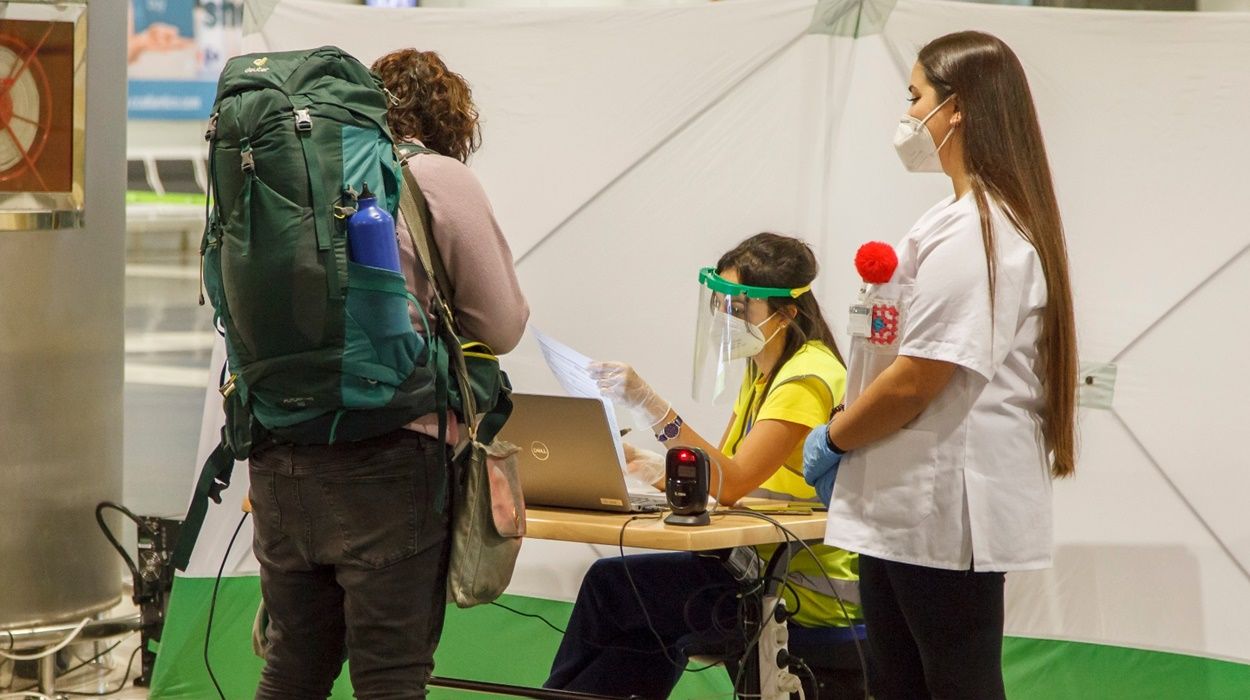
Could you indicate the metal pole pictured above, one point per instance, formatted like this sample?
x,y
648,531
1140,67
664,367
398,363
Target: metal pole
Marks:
x,y
517,691
49,635
47,674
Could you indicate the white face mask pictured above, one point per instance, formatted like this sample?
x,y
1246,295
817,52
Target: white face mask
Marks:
x,y
915,146
746,339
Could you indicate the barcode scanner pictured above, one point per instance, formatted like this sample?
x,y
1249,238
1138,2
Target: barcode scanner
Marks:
x,y
686,486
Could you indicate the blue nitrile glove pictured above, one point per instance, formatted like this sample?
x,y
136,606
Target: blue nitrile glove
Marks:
x,y
820,464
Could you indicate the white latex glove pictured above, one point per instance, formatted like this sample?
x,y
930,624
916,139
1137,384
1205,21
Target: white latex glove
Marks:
x,y
644,465
619,382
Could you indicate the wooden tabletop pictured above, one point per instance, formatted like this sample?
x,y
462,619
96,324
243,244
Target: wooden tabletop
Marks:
x,y
649,531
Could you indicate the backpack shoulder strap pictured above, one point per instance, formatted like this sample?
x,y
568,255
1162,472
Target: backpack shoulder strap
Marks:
x,y
413,207
408,150
416,212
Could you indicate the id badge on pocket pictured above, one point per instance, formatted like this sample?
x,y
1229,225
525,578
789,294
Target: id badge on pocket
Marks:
x,y
860,321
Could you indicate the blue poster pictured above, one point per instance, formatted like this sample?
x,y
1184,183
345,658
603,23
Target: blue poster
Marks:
x,y
175,52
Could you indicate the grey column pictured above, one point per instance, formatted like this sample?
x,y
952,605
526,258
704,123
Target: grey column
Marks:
x,y
61,357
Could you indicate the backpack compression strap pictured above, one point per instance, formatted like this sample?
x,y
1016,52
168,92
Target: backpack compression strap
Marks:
x,y
214,478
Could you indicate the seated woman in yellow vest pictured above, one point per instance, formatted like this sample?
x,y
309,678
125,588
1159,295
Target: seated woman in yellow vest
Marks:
x,y
757,307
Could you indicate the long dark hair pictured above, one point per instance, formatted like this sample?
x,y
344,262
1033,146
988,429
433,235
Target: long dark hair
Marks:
x,y
1006,159
773,260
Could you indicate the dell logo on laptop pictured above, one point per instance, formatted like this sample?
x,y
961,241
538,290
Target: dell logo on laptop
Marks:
x,y
540,451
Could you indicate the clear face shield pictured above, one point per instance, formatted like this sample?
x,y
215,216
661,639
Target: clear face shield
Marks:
x,y
728,332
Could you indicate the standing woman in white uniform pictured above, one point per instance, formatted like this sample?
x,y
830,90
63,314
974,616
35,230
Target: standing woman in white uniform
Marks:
x,y
950,449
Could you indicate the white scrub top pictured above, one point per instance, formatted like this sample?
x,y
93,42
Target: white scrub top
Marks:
x,y
967,482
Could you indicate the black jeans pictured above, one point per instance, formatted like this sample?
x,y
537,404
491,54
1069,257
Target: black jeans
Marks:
x,y
933,633
608,648
352,541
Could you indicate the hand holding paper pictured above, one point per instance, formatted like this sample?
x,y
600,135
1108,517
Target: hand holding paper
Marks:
x,y
620,382
569,366
571,369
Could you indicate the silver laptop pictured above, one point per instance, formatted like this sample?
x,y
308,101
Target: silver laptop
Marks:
x,y
568,457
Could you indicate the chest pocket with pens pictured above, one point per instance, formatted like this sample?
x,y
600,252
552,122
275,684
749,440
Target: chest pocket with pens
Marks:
x,y
877,316
877,320
876,324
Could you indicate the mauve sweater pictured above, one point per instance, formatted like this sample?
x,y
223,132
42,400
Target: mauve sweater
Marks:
x,y
489,305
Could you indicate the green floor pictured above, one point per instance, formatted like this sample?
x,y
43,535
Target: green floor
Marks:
x,y
488,643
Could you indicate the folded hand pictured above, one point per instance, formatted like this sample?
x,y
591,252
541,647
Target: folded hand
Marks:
x,y
820,464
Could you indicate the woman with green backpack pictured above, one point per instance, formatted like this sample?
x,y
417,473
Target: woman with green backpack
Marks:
x,y
352,538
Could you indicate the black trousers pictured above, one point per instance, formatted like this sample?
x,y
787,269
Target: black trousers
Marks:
x,y
933,633
352,542
608,647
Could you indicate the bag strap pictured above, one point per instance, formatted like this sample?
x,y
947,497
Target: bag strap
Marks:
x,y
416,213
426,250
436,271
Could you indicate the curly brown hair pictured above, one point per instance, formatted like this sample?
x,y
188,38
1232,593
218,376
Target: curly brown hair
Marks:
x,y
432,104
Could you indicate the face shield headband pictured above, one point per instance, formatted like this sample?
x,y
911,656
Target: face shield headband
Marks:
x,y
724,339
709,279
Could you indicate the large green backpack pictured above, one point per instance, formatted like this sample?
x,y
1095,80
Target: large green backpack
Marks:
x,y
320,350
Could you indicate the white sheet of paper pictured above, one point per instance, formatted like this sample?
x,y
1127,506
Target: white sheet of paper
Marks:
x,y
572,369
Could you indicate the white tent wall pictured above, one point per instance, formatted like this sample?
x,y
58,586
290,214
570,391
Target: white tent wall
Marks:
x,y
624,148
544,88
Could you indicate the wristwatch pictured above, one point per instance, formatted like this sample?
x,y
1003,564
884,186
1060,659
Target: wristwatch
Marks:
x,y
670,429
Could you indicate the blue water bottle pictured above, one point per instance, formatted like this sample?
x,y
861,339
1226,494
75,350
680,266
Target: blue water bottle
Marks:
x,y
371,234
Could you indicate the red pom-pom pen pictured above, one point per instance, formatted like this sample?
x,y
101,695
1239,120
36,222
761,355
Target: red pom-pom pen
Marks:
x,y
875,262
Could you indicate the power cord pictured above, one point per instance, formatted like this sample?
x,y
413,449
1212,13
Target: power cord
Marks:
x,y
642,605
715,625
212,607
718,510
544,620
762,582
720,485
747,654
549,623
69,637
108,533
32,686
118,689
802,666
721,510
859,650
